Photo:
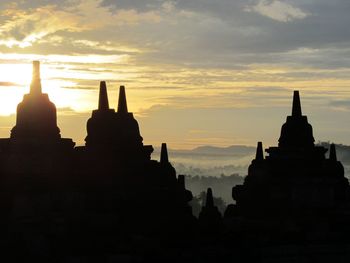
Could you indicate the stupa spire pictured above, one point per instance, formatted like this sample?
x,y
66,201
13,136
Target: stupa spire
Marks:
x,y
332,153
35,86
296,110
164,154
103,97
210,200
122,105
296,132
259,152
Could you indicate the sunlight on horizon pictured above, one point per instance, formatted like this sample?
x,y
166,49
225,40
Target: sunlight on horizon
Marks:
x,y
75,85
16,79
73,88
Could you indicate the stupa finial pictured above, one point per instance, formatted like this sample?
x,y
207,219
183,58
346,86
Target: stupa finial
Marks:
x,y
122,105
296,110
103,97
332,153
35,86
164,154
259,152
209,200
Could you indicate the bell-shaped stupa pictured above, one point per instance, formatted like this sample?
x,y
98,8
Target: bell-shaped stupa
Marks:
x,y
36,114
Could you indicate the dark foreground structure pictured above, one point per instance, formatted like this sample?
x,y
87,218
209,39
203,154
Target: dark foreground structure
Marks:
x,y
295,202
108,201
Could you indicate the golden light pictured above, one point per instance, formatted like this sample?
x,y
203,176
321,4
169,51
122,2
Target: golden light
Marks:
x,y
14,77
15,82
19,74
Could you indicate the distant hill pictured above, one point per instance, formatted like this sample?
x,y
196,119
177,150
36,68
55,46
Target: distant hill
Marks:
x,y
239,151
210,160
236,150
233,150
235,159
223,167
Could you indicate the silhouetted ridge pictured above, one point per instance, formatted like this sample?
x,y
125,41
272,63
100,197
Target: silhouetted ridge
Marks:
x,y
296,110
103,97
332,153
259,152
164,154
122,105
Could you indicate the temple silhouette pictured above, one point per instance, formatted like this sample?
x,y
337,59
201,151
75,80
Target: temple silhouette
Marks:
x,y
91,197
296,188
108,201
295,195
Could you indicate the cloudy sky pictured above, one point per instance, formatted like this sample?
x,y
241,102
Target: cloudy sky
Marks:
x,y
197,72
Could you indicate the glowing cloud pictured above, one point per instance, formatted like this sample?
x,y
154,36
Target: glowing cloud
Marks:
x,y
22,27
277,10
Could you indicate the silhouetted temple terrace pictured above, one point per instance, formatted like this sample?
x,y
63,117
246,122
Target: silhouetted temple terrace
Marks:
x,y
108,201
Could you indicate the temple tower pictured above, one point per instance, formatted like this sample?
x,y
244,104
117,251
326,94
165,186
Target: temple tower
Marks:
x,y
332,153
36,114
294,182
115,132
210,217
127,128
100,127
164,159
259,152
296,132
122,104
103,104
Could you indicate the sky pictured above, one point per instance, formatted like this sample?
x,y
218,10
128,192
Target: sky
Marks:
x,y
197,72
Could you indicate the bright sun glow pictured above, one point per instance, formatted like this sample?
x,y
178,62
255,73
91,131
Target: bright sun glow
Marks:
x,y
16,80
12,86
19,74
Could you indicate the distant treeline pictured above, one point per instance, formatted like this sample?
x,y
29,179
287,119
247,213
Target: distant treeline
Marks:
x,y
212,171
